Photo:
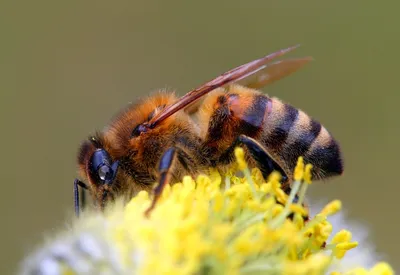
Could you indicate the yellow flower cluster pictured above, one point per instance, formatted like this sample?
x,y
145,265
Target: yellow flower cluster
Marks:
x,y
223,224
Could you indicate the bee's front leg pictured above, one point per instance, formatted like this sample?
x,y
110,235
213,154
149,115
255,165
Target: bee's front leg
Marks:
x,y
165,170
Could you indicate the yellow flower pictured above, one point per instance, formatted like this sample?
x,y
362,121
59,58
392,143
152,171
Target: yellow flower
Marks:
x,y
307,174
214,224
378,269
239,153
382,269
332,208
299,170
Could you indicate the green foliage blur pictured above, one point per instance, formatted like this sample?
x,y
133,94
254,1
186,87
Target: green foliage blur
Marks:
x,y
67,67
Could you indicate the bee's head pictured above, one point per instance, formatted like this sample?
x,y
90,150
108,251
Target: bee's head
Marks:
x,y
98,168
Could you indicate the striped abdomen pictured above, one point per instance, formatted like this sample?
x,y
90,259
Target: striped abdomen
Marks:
x,y
290,133
284,131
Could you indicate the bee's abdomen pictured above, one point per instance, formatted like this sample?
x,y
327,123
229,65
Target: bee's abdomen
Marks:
x,y
280,124
291,133
325,155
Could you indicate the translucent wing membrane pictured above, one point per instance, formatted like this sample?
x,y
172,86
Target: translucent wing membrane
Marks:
x,y
256,73
270,73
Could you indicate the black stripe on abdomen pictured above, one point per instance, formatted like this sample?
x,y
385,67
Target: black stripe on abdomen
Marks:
x,y
327,160
301,145
277,137
253,118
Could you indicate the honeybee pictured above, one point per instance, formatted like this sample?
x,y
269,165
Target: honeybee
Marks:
x,y
161,138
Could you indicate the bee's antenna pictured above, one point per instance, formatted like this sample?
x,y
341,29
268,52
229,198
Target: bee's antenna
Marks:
x,y
77,202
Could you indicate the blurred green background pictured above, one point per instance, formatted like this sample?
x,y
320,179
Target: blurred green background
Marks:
x,y
67,67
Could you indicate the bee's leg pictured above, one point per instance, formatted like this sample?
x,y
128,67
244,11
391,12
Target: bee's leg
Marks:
x,y
265,162
77,202
165,171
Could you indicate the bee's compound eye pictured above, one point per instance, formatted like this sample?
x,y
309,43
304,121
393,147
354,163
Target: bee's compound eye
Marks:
x,y
105,173
101,168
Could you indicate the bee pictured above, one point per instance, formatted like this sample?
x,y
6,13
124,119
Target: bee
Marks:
x,y
160,138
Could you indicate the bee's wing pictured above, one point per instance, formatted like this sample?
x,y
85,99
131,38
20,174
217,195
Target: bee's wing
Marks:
x,y
238,73
272,72
263,76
